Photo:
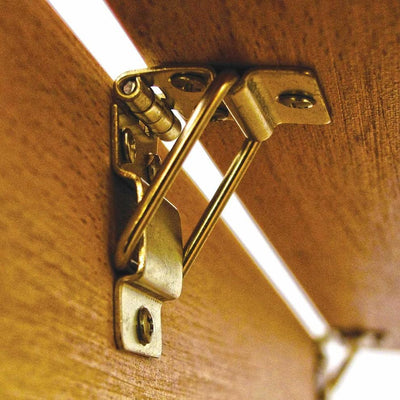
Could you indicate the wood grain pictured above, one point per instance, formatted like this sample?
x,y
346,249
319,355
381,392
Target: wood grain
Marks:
x,y
327,197
228,337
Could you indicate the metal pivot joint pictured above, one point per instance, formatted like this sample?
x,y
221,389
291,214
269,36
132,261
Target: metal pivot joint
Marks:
x,y
149,253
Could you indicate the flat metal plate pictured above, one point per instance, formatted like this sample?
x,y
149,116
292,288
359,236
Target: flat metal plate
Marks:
x,y
159,255
144,145
128,301
254,102
183,101
162,256
267,84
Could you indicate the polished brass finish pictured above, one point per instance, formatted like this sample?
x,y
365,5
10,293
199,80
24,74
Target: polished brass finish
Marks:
x,y
328,374
296,100
253,103
222,114
128,300
148,108
153,165
145,325
153,273
189,82
143,146
129,146
210,216
171,166
174,97
149,251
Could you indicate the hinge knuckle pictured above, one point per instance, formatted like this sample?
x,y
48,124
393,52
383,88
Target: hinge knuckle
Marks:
x,y
148,108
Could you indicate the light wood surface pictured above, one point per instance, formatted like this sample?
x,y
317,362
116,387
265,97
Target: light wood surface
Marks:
x,y
327,197
228,337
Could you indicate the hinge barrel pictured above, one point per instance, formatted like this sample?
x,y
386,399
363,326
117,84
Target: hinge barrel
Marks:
x,y
153,197
148,108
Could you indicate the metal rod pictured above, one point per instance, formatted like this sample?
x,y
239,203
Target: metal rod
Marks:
x,y
211,214
171,166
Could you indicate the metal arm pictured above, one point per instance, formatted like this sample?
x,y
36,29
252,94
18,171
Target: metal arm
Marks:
x,y
171,166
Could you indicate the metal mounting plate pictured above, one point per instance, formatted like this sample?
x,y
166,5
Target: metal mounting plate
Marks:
x,y
257,104
128,300
176,96
156,273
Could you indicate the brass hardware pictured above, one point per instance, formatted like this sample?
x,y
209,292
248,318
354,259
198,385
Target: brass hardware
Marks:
x,y
149,108
154,276
153,165
328,373
221,114
296,100
145,325
210,216
149,252
128,87
128,301
253,102
171,166
189,82
129,145
153,271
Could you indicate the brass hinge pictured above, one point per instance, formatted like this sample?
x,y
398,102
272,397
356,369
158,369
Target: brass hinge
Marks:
x,y
150,257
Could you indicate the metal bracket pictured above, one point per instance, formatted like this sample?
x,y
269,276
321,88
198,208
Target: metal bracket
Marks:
x,y
152,264
153,273
336,352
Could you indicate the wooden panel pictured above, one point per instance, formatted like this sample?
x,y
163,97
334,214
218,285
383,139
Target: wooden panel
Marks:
x,y
228,336
327,197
